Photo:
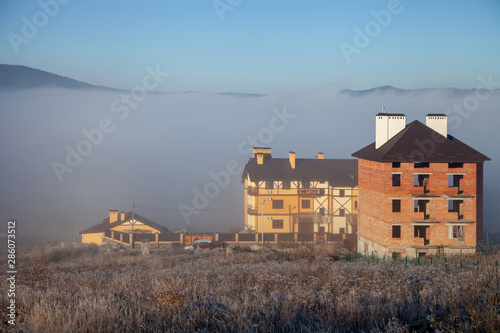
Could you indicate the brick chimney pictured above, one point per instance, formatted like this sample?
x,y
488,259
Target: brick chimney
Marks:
x,y
292,159
438,122
122,216
113,215
388,125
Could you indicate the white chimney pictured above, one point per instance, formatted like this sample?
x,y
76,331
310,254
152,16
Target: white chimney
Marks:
x,y
388,125
437,122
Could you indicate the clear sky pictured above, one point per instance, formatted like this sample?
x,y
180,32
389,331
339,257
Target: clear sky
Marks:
x,y
257,45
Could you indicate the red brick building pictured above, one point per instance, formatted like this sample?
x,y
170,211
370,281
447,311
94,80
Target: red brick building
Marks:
x,y
420,190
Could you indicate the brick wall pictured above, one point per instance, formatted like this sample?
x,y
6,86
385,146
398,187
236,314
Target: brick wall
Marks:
x,y
376,195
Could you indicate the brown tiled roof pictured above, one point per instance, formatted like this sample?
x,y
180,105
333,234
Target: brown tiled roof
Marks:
x,y
339,172
419,143
105,225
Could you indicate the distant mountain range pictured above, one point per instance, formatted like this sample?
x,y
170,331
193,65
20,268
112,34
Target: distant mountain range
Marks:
x,y
21,77
453,92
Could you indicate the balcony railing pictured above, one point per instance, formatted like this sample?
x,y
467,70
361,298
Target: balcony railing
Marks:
x,y
253,191
252,210
308,191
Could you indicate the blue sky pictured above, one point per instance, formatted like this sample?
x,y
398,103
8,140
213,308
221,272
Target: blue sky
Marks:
x,y
259,46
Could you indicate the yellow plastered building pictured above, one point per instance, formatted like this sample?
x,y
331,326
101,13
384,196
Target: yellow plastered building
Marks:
x,y
122,222
305,196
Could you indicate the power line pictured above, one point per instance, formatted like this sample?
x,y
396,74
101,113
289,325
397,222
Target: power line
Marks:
x,y
199,210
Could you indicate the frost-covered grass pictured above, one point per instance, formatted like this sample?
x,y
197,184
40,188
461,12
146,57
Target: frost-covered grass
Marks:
x,y
299,289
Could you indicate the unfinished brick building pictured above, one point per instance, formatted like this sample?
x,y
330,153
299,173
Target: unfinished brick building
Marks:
x,y
420,190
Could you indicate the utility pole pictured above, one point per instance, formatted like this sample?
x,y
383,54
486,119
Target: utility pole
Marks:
x,y
132,238
263,200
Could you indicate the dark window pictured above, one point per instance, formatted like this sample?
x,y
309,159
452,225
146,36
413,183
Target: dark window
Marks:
x,y
396,164
321,229
286,184
396,205
269,184
454,165
321,191
420,231
322,211
456,181
321,181
341,212
341,193
356,205
396,179
277,204
421,180
396,231
306,184
306,203
419,165
277,224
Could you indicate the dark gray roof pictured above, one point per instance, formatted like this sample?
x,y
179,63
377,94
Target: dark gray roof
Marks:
x,y
105,225
391,114
419,143
437,115
339,172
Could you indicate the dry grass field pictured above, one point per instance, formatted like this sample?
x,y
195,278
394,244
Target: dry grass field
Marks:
x,y
301,289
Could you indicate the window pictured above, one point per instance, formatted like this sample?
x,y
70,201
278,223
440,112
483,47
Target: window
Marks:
x,y
356,205
306,203
396,231
277,224
396,164
277,204
321,181
421,180
269,184
341,193
322,211
456,181
322,192
305,184
455,165
396,179
321,229
456,231
420,231
341,212
419,165
286,184
396,205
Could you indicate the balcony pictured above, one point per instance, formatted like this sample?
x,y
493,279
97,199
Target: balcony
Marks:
x,y
252,210
253,191
309,192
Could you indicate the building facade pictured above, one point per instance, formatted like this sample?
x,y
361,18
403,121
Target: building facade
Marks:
x,y
304,196
420,189
122,222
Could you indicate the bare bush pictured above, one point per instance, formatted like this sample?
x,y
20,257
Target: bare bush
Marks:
x,y
282,290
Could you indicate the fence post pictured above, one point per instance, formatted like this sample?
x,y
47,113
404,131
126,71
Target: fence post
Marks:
x,y
406,262
157,240
477,266
446,264
237,238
